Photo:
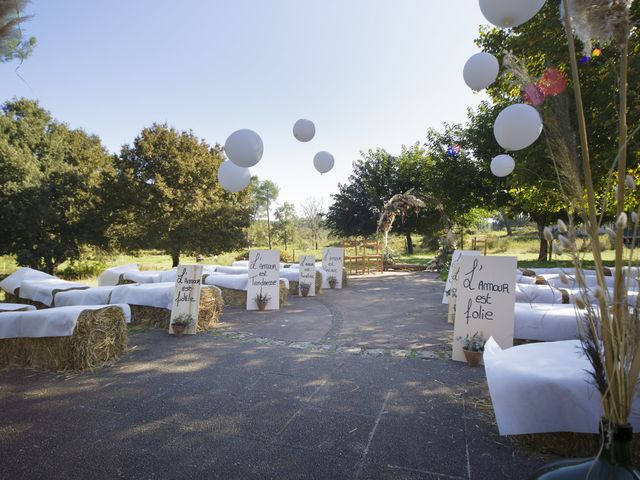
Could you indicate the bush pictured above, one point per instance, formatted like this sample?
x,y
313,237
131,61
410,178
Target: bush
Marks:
x,y
77,269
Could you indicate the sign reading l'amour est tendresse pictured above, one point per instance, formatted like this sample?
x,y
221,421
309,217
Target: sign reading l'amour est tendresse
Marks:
x,y
264,279
486,300
308,274
186,296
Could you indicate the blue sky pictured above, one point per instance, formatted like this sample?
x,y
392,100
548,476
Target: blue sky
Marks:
x,y
369,73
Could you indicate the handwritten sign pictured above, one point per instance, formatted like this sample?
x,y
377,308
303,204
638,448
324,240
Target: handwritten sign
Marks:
x,y
307,275
453,271
486,300
264,279
186,297
332,261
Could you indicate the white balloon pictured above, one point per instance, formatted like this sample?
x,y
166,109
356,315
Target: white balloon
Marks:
x,y
502,165
323,161
304,130
509,13
244,148
232,177
517,126
480,71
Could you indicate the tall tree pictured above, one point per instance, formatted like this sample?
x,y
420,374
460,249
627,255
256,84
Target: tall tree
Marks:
x,y
286,219
50,182
312,214
13,45
263,196
169,197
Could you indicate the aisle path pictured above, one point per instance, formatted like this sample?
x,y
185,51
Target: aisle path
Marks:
x,y
214,406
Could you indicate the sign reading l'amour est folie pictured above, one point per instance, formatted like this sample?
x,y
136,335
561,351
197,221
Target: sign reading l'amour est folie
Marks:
x,y
186,297
264,279
486,300
307,275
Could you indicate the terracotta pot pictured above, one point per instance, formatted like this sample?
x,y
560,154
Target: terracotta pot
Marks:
x,y
473,358
304,292
262,306
178,329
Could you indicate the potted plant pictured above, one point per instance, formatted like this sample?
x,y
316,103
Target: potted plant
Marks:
x,y
262,299
304,288
333,281
181,323
473,348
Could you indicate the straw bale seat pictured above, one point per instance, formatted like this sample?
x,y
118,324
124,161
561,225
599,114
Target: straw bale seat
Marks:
x,y
99,338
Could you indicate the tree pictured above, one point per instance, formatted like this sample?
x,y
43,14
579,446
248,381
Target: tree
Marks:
x,y
263,194
169,197
50,183
286,218
312,213
12,44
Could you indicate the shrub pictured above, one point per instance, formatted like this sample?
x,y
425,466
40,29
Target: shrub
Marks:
x,y
77,269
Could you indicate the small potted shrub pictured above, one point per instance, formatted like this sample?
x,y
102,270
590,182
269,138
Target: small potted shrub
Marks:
x,y
304,288
261,300
181,323
473,348
333,281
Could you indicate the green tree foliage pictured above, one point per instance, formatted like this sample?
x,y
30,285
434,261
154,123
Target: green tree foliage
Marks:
x,y
263,196
313,219
286,221
376,177
50,182
13,45
169,197
541,44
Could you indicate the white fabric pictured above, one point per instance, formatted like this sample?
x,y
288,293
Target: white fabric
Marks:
x,y
42,290
537,294
589,280
142,277
88,296
12,307
544,387
547,322
48,322
233,281
169,275
111,275
13,281
158,295
525,280
241,263
291,274
232,270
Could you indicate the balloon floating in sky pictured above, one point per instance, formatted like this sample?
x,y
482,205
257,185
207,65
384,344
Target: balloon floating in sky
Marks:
x,y
517,127
323,161
232,177
244,148
502,165
480,71
509,13
304,130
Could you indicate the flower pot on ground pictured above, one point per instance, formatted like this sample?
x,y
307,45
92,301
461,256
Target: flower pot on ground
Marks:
x,y
304,289
333,281
262,300
473,348
180,324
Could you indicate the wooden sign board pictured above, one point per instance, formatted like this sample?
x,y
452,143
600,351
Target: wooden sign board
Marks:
x,y
307,274
264,279
186,296
486,300
453,271
332,263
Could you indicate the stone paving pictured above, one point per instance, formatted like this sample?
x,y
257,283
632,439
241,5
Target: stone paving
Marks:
x,y
328,395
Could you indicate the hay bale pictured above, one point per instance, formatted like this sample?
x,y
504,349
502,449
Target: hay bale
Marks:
x,y
345,278
606,271
528,272
124,281
318,282
566,298
99,339
234,298
540,280
211,305
284,293
13,297
293,287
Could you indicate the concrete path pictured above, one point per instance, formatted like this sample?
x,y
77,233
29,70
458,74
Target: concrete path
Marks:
x,y
234,404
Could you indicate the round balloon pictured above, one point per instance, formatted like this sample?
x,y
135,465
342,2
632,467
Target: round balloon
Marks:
x,y
323,161
480,71
517,127
232,177
502,165
244,148
304,130
509,13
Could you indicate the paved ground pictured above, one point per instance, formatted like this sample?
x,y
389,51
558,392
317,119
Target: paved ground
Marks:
x,y
258,400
